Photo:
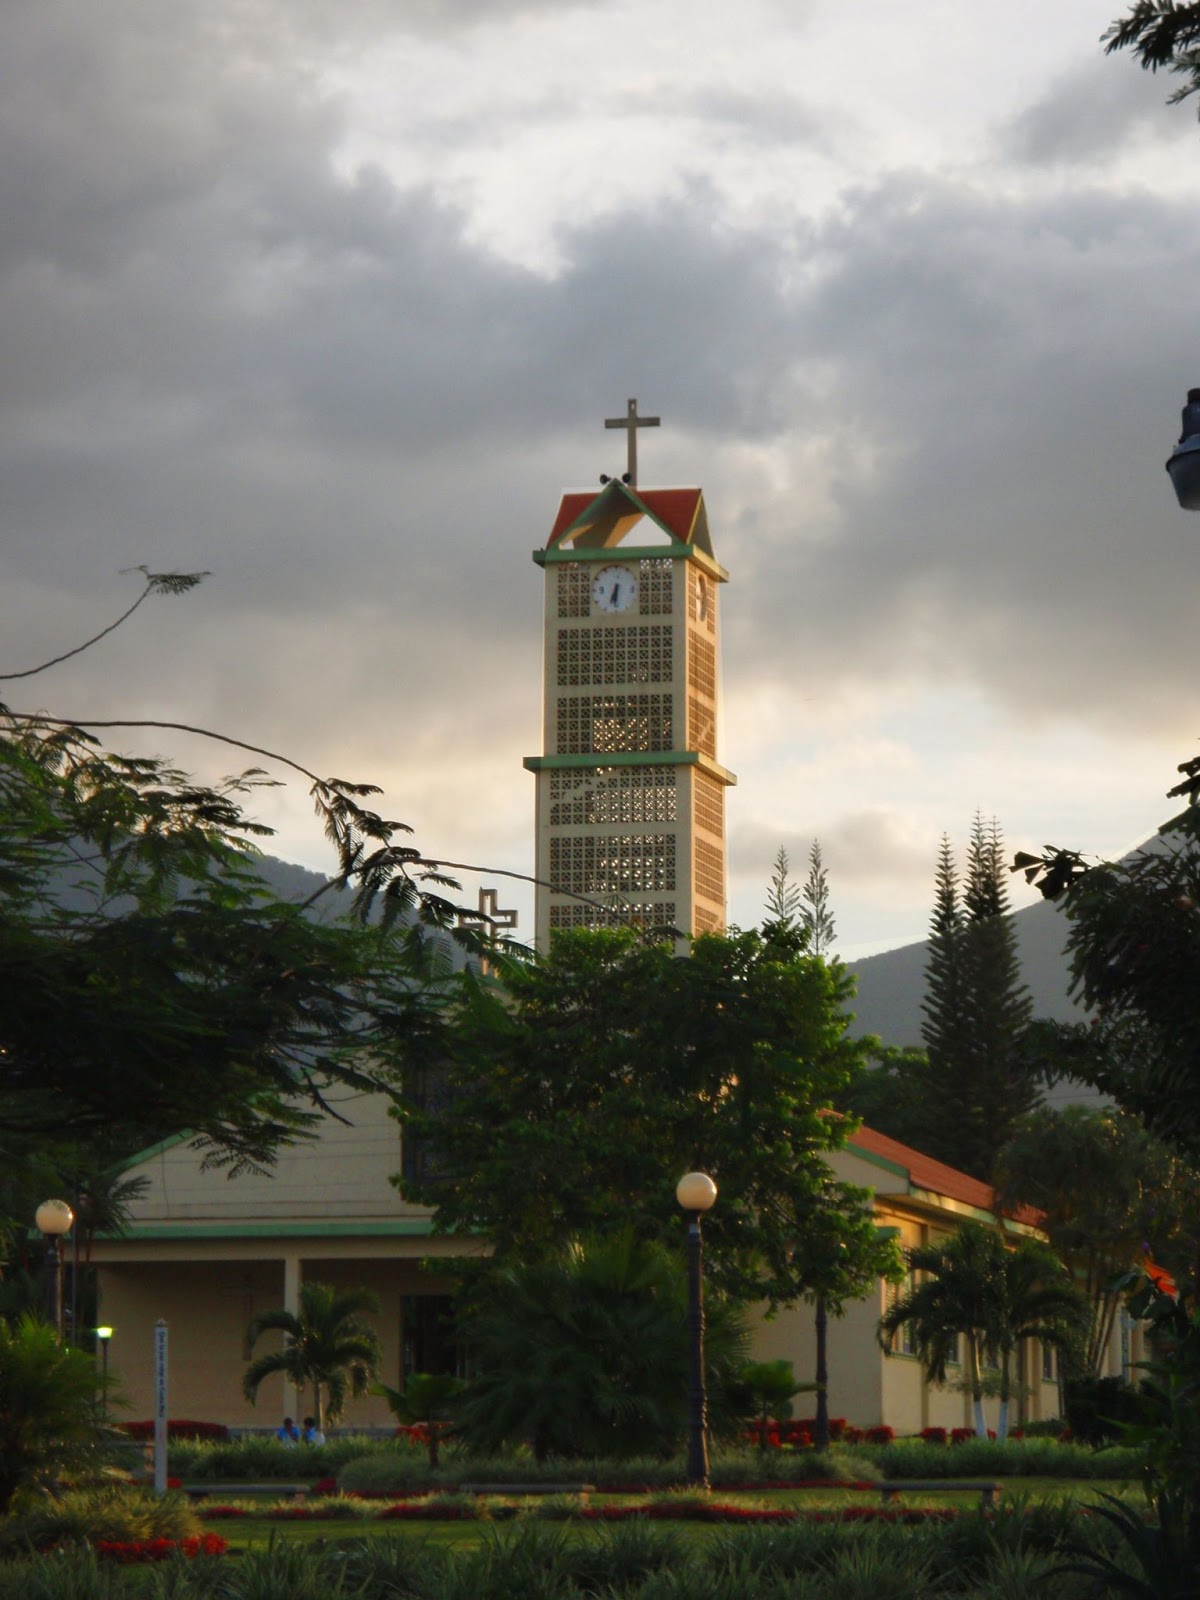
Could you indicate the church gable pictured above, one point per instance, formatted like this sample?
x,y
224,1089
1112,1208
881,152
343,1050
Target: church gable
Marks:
x,y
675,518
343,1175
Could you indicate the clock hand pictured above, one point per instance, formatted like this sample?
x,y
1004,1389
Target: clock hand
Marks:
x,y
615,593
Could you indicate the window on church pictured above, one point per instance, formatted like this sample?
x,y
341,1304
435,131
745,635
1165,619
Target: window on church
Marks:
x,y
1048,1363
903,1340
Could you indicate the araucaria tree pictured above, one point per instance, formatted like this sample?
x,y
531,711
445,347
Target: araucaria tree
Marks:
x,y
814,914
977,1010
575,1095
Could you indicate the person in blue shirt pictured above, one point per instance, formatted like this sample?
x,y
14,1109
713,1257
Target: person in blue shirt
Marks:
x,y
312,1434
289,1433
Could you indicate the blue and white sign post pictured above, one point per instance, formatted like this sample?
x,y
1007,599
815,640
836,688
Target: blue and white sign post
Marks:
x,y
160,1407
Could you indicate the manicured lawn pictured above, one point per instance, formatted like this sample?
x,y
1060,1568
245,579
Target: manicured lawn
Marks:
x,y
258,1530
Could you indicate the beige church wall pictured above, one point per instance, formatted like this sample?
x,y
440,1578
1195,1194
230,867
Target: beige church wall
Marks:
x,y
344,1174
853,1357
206,1305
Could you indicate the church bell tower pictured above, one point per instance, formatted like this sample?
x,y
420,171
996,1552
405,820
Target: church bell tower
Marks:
x,y
630,796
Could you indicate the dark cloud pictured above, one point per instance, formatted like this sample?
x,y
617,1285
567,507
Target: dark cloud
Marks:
x,y
998,388
930,424
1089,114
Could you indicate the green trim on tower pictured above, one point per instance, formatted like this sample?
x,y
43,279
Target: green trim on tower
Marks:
x,y
633,758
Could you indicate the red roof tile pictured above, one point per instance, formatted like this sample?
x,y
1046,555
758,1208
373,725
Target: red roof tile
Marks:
x,y
572,506
674,508
926,1173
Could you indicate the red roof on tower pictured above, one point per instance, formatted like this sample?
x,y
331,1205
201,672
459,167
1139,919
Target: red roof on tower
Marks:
x,y
674,509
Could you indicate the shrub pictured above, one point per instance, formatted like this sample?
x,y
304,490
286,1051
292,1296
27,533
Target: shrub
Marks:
x,y
386,1472
1099,1409
881,1434
177,1428
85,1516
49,1422
933,1435
257,1456
912,1458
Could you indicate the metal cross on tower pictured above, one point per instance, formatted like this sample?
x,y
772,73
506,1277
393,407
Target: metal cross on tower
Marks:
x,y
632,422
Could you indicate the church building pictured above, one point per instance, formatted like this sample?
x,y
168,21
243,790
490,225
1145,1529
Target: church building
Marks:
x,y
630,826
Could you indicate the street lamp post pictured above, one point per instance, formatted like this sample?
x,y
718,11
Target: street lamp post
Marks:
x,y
696,1192
54,1219
1183,464
104,1335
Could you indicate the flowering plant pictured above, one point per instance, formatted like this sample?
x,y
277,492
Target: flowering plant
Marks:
x,y
131,1551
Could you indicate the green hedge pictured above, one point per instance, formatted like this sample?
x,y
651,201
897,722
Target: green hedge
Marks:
x,y
256,1457
1015,1458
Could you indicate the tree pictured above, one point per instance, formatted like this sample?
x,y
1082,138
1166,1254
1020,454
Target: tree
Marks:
x,y
771,1386
954,1301
783,897
1036,1299
576,1093
943,1031
153,982
49,1417
815,916
1105,1190
326,1344
838,1255
894,1095
991,1296
1161,33
428,1399
584,1352
1134,947
977,1011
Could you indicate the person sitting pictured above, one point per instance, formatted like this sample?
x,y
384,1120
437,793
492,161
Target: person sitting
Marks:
x,y
312,1434
288,1433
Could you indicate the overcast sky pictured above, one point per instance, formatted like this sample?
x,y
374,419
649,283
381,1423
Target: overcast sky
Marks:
x,y
333,301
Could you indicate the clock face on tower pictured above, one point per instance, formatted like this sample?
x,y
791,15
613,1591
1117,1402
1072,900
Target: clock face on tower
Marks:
x,y
614,589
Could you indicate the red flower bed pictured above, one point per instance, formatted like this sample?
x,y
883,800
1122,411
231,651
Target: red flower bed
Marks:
x,y
933,1435
416,1513
210,1513
325,1486
129,1551
881,1434
177,1428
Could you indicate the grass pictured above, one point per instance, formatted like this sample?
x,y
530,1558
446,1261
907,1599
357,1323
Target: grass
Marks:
x,y
257,1531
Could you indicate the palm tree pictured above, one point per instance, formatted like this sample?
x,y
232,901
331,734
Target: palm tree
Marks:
x,y
956,1297
977,1288
1037,1300
327,1345
50,1421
